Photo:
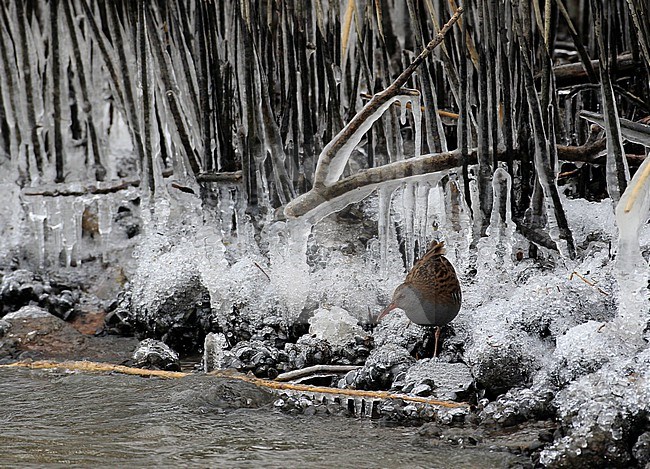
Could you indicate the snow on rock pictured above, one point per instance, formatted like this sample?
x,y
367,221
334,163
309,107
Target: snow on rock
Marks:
x,y
334,325
154,354
396,329
602,415
431,377
28,312
516,406
584,349
169,299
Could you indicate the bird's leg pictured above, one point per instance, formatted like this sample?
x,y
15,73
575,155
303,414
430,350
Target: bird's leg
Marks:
x,y
435,347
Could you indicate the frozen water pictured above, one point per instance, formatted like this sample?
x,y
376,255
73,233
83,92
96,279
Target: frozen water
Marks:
x,y
340,159
335,325
632,214
599,412
214,348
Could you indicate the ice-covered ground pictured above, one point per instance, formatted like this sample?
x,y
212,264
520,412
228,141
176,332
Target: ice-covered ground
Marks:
x,y
562,337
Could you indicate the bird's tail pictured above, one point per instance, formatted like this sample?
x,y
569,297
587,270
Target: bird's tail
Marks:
x,y
436,248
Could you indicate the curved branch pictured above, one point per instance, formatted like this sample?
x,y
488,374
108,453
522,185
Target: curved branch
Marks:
x,y
419,167
354,130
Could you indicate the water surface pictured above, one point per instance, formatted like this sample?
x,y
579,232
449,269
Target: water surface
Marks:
x,y
54,419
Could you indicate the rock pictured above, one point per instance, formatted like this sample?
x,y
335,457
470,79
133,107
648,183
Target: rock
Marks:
x,y
28,312
600,414
422,390
307,351
170,304
214,348
155,355
641,449
4,327
380,369
33,332
118,316
254,356
397,329
209,395
518,405
448,381
575,354
22,287
503,358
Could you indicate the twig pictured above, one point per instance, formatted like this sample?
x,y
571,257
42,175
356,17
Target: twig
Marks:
x,y
263,271
222,176
310,370
76,189
588,282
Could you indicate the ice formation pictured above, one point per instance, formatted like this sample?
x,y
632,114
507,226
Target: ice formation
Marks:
x,y
335,325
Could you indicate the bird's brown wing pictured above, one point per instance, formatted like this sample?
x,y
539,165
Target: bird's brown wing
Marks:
x,y
418,270
436,278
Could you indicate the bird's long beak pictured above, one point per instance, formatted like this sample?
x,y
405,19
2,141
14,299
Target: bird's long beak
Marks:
x,y
387,310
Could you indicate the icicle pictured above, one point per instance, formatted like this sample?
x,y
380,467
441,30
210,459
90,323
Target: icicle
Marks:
x,y
421,228
104,222
385,195
37,211
402,114
632,213
501,225
408,207
55,221
69,233
417,121
339,160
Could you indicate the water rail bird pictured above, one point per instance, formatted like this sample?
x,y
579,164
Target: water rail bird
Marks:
x,y
430,295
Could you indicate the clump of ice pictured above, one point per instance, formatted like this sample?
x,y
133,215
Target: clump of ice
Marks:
x,y
335,325
599,412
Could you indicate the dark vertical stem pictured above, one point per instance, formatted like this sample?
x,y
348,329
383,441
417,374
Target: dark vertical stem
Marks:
x,y
430,108
202,76
100,171
29,87
129,104
543,155
463,111
148,175
169,87
9,74
491,24
484,161
617,182
56,86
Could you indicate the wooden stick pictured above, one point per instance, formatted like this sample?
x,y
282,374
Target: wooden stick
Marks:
x,y
95,367
310,370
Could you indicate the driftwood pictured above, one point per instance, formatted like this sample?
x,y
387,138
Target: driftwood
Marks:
x,y
95,367
413,168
